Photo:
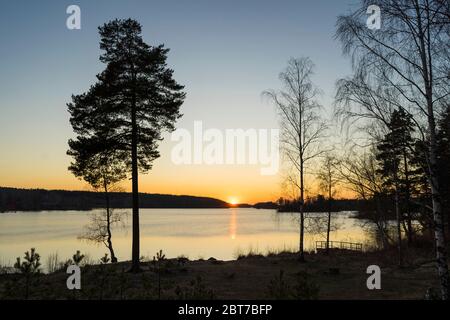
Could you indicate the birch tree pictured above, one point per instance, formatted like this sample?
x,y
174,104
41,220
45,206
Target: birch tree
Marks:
x,y
328,179
301,125
410,55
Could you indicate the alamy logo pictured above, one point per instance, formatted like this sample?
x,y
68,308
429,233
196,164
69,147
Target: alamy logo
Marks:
x,y
74,280
374,281
231,146
374,20
73,22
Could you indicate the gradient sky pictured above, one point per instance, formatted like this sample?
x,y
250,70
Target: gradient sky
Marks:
x,y
225,53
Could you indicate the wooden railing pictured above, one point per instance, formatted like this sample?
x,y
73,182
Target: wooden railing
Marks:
x,y
322,245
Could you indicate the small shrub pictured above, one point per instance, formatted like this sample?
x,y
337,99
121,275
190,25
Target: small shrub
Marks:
x,y
78,257
105,259
31,264
160,256
29,267
159,268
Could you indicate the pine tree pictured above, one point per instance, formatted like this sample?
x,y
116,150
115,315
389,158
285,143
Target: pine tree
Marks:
x,y
29,267
394,158
134,101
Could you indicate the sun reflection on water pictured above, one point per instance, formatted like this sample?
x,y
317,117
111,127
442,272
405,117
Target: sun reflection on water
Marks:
x,y
233,224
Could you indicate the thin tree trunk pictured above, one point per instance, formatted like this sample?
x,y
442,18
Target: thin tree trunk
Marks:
x,y
134,173
328,232
382,222
108,224
399,229
329,217
302,217
302,187
408,198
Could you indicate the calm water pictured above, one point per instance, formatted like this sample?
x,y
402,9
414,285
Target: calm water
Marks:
x,y
196,233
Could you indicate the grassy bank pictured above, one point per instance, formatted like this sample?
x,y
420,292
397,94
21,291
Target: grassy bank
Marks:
x,y
339,275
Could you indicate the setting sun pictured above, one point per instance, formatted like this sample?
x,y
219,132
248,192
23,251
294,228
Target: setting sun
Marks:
x,y
233,201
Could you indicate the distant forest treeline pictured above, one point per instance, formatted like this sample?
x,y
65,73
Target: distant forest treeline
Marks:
x,y
313,204
321,204
12,199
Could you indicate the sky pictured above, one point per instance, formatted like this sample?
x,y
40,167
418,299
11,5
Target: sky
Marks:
x,y
226,53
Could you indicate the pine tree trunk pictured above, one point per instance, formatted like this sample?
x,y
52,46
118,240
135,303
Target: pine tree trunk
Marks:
x,y
408,198
399,229
135,190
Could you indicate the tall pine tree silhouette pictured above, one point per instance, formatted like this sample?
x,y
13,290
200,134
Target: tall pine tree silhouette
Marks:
x,y
395,165
134,101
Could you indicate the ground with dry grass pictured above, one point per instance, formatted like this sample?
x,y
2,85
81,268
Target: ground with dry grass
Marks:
x,y
339,275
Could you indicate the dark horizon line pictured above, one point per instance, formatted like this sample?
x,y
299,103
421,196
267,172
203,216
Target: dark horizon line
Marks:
x,y
24,199
111,192
153,194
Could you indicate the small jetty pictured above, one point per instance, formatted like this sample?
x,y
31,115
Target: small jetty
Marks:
x,y
341,245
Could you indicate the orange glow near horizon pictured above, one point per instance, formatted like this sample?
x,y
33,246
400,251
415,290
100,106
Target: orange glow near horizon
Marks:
x,y
233,184
261,189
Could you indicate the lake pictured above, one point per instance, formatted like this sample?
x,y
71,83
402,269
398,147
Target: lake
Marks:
x,y
195,233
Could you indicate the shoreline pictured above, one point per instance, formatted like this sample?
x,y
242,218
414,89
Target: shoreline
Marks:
x,y
339,275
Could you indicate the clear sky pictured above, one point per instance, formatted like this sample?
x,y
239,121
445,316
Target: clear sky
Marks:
x,y
225,53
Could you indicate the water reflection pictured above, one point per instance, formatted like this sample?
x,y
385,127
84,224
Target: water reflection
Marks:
x,y
191,232
233,224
